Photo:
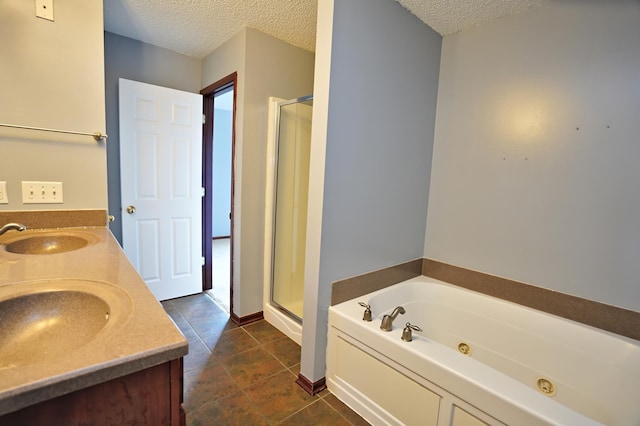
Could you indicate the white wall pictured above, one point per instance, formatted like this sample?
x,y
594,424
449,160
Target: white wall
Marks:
x,y
379,125
535,168
225,60
52,75
266,67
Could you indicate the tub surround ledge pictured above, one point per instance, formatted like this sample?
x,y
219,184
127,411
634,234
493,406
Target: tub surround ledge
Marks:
x,y
600,315
353,287
605,317
141,336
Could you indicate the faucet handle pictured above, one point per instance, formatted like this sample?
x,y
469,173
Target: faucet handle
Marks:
x,y
406,333
367,311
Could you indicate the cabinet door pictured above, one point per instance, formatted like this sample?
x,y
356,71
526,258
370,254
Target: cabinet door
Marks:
x,y
147,397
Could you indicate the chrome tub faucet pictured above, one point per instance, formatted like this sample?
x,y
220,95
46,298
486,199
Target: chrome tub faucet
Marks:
x,y
12,226
387,320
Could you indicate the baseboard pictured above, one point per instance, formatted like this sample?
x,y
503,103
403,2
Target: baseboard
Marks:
x,y
312,388
247,319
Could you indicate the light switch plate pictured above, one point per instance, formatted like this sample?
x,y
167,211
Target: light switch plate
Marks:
x,y
44,9
41,192
4,199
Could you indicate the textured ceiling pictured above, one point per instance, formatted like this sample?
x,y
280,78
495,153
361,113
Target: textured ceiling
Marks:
x,y
451,16
196,27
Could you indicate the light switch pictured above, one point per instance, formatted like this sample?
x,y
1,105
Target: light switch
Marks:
x,y
41,192
4,199
44,9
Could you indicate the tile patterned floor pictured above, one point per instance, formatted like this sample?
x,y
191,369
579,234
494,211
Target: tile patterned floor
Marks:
x,y
245,375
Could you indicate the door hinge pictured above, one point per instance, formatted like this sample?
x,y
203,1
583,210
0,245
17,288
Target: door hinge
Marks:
x,y
202,191
202,260
204,119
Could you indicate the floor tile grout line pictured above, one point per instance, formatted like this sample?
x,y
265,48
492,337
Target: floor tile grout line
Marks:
x,y
312,401
249,333
253,404
261,381
196,333
243,391
263,346
259,345
335,409
316,399
188,323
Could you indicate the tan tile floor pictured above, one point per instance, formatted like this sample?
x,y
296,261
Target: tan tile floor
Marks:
x,y
245,375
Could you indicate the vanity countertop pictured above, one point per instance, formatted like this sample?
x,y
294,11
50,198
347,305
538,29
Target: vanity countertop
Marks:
x,y
139,334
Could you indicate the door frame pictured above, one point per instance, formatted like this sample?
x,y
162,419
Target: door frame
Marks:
x,y
209,94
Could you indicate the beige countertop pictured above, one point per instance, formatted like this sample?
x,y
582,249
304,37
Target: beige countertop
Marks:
x,y
138,334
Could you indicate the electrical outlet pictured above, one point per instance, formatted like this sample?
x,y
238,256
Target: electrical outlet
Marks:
x,y
41,192
3,193
44,9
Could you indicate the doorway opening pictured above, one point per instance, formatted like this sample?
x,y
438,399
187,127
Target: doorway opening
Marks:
x,y
218,178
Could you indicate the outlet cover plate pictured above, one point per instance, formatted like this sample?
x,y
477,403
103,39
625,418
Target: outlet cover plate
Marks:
x,y
4,199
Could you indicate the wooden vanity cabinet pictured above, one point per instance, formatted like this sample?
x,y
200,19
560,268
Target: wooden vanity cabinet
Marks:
x,y
148,397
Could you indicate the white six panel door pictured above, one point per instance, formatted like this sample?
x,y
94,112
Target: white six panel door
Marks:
x,y
161,180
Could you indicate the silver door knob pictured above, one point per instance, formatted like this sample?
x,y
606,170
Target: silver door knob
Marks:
x,y
131,209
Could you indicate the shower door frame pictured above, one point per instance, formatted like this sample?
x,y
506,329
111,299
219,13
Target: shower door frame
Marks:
x,y
279,105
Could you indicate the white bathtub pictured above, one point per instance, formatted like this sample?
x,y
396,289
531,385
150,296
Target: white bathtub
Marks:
x,y
595,374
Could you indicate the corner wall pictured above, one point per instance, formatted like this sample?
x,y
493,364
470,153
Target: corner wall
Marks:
x,y
266,67
52,76
379,123
535,174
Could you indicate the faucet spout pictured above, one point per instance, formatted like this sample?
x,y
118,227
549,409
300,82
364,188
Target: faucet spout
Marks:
x,y
387,320
12,226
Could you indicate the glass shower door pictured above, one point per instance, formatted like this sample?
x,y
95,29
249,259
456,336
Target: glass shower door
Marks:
x,y
290,218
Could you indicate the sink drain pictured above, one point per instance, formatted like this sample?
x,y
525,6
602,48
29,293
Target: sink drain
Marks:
x,y
546,387
464,348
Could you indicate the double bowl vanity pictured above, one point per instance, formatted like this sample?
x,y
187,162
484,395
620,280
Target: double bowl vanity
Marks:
x,y
81,336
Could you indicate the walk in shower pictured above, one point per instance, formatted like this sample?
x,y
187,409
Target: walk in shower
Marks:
x,y
286,214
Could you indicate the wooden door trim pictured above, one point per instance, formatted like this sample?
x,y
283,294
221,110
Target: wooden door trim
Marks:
x,y
209,93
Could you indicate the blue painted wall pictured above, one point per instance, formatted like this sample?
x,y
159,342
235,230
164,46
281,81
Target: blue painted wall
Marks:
x,y
222,171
